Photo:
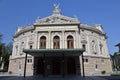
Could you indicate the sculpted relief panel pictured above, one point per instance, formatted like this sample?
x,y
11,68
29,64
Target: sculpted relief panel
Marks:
x,y
56,19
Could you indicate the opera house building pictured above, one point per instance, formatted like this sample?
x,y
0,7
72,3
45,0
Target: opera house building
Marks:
x,y
58,45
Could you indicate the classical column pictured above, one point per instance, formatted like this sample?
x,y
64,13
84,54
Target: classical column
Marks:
x,y
88,45
76,39
14,50
49,39
36,39
99,51
105,48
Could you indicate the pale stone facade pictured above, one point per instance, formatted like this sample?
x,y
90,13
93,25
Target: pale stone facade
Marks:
x,y
92,38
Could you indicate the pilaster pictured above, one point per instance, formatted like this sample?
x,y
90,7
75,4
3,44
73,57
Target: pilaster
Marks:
x,y
37,43
88,45
98,44
49,39
76,41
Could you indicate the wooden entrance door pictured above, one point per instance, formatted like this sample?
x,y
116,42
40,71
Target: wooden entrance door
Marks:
x,y
40,67
71,69
56,67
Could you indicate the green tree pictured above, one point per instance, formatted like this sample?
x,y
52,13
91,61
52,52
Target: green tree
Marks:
x,y
1,46
6,52
1,37
113,60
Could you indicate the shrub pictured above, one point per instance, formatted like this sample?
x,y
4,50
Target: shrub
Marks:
x,y
103,72
10,72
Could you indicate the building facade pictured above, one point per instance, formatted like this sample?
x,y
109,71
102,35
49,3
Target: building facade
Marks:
x,y
61,33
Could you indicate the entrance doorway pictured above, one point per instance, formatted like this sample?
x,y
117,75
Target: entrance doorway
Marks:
x,y
40,67
71,69
56,66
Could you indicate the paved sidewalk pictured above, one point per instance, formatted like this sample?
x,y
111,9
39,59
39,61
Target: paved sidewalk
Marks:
x,y
96,78
7,76
50,78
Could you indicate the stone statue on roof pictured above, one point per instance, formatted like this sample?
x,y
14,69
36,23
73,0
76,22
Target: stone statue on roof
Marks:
x,y
56,9
56,6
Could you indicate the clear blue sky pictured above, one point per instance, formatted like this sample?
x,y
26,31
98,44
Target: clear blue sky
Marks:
x,y
14,13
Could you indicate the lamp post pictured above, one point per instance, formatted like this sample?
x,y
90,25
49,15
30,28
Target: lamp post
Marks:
x,y
25,65
83,66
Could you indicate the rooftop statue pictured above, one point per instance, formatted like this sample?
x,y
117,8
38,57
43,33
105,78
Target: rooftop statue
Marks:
x,y
57,18
56,9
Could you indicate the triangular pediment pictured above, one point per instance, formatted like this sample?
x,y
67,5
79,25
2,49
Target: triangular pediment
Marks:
x,y
57,19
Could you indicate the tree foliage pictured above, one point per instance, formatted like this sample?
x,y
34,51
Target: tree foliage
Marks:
x,y
1,37
113,58
5,52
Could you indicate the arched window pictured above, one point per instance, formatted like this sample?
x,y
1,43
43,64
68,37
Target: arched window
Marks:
x,y
70,42
43,42
56,42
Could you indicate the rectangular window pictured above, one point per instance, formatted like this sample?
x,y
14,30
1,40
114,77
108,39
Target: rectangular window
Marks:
x,y
84,47
85,60
29,60
96,66
30,46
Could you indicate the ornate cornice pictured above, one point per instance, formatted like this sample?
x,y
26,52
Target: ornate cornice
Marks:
x,y
90,28
23,30
96,56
